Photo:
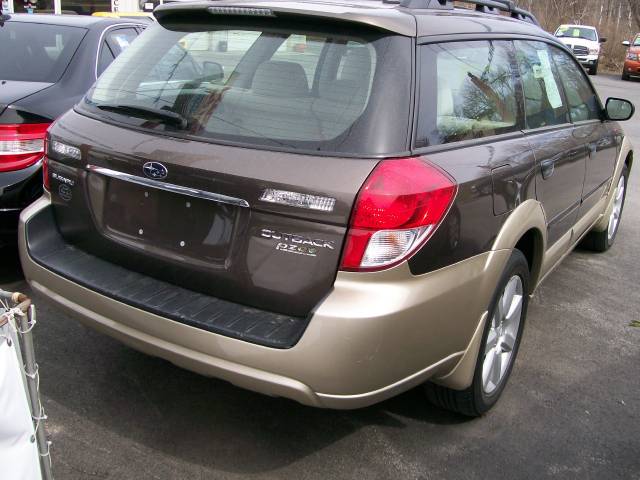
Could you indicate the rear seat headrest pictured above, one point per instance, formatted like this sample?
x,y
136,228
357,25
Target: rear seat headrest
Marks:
x,y
280,79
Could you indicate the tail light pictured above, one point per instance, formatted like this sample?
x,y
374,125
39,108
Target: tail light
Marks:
x,y
46,183
21,145
397,209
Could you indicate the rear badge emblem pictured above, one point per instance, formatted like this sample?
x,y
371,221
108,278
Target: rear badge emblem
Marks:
x,y
155,170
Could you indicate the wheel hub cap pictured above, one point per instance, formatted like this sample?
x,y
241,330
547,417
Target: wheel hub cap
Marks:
x,y
502,335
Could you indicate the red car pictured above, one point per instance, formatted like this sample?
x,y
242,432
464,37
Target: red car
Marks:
x,y
632,59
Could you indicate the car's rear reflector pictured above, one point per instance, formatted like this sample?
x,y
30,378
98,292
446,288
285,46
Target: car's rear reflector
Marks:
x,y
399,206
21,145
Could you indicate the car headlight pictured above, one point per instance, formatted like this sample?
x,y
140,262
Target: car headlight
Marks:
x,y
594,51
632,56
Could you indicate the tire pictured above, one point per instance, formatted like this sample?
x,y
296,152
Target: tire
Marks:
x,y
602,241
594,69
625,76
483,393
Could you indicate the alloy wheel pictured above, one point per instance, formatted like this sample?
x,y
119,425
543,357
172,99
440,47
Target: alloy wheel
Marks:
x,y
502,335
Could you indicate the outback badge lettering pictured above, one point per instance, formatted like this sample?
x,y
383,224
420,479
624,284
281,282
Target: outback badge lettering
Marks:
x,y
298,244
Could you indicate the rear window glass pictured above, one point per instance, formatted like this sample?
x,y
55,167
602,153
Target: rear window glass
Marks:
x,y
467,90
293,88
35,52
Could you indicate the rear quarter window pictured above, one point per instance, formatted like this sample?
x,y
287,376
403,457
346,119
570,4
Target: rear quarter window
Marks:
x,y
467,90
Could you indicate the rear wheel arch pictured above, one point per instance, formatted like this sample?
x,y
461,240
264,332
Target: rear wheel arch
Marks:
x,y
531,244
525,229
629,161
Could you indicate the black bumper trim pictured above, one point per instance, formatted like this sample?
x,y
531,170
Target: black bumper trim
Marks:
x,y
47,248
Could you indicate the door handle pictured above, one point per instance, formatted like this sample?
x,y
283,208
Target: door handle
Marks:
x,y
547,167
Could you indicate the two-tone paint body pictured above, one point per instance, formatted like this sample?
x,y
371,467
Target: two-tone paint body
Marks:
x,y
370,335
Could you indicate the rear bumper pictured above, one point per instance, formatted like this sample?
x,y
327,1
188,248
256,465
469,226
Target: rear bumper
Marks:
x,y
374,336
17,190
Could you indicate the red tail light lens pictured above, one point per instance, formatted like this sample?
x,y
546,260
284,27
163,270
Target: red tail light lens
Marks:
x,y
21,145
45,167
397,209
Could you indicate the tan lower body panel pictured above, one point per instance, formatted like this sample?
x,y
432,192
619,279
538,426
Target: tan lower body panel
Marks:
x,y
375,335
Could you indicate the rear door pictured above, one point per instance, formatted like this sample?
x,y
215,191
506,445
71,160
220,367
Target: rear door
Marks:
x,y
560,157
589,128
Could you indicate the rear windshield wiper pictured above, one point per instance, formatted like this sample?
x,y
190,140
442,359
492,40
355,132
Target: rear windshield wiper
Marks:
x,y
146,112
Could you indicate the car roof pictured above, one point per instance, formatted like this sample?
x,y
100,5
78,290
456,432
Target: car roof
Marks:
x,y
84,21
387,15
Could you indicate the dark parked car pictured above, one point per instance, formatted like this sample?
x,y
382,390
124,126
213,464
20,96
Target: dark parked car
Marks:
x,y
47,63
328,201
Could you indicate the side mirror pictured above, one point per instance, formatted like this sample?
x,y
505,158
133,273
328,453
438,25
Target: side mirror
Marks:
x,y
626,43
619,109
212,71
602,39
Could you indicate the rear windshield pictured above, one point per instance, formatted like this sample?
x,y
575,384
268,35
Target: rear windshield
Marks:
x,y
35,52
303,88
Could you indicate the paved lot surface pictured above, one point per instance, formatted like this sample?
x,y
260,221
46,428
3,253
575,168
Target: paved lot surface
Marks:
x,y
571,410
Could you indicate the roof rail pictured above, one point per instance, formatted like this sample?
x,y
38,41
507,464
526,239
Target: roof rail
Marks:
x,y
486,6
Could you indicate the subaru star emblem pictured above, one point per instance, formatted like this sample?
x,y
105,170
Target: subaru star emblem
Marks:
x,y
155,170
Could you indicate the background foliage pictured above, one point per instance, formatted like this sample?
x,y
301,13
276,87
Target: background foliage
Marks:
x,y
617,20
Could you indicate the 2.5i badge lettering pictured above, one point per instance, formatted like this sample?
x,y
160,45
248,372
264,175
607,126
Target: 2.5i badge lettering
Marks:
x,y
298,244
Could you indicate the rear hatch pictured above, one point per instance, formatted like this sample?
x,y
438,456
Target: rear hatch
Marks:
x,y
225,158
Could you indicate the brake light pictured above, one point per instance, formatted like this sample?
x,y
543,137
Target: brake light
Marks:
x,y
399,206
21,145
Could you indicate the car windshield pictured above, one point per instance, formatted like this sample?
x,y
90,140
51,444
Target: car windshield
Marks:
x,y
259,84
36,52
577,32
636,42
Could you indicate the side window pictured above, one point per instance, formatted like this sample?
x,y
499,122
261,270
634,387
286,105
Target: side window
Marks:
x,y
467,90
543,100
583,101
105,57
120,39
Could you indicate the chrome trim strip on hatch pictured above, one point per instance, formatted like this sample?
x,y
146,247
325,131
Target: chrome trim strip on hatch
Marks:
x,y
170,187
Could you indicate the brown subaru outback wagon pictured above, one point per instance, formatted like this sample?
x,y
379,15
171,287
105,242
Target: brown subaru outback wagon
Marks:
x,y
328,201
